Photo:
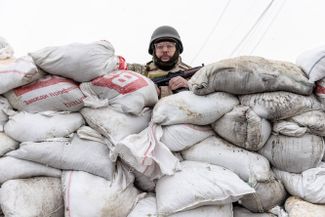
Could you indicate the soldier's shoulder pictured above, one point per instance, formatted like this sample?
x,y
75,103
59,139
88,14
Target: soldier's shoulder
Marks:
x,y
136,67
184,66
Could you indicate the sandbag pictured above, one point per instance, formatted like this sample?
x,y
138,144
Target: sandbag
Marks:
x,y
308,122
24,126
242,212
312,62
309,185
249,166
6,50
17,72
12,168
116,125
188,108
78,61
4,107
280,105
297,207
7,144
32,197
268,195
207,211
147,207
75,154
88,195
178,137
244,128
294,154
49,93
248,75
145,153
124,90
288,128
198,184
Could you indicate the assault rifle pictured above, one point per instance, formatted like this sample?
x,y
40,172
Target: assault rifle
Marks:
x,y
164,80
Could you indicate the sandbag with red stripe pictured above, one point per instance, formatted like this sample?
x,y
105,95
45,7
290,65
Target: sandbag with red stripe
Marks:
x,y
124,90
52,93
17,72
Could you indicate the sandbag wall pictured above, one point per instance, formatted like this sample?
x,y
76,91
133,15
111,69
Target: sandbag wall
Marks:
x,y
82,136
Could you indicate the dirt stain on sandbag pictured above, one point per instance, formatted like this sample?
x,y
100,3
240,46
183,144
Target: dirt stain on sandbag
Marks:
x,y
190,114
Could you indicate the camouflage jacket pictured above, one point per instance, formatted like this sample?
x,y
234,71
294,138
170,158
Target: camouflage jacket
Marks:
x,y
150,70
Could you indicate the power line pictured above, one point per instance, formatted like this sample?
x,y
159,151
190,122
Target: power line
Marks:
x,y
268,27
252,28
212,31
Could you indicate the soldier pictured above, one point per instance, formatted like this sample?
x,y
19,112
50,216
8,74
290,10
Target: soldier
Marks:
x,y
165,47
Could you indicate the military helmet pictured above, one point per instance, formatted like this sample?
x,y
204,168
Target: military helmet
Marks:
x,y
165,32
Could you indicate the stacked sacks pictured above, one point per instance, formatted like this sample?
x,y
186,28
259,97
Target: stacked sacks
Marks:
x,y
181,121
46,140
272,95
196,154
313,64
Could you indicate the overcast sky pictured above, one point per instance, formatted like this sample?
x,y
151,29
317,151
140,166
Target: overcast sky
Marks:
x,y
210,29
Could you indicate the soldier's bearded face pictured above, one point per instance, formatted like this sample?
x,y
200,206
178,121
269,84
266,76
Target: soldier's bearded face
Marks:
x,y
165,50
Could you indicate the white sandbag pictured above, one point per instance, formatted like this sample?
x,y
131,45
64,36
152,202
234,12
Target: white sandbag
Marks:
x,y
145,153
6,50
1,214
17,72
7,144
312,62
12,168
207,211
314,121
87,195
297,207
242,212
279,211
147,207
280,105
124,90
49,93
309,185
198,184
24,126
268,195
249,166
250,74
4,107
182,136
32,197
288,128
77,154
78,61
116,125
294,154
308,122
187,108
244,128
